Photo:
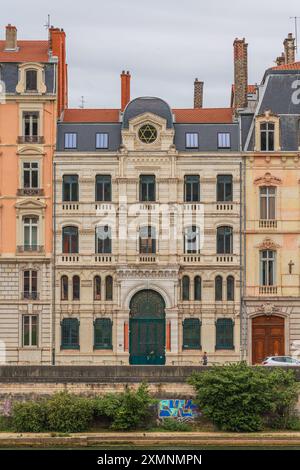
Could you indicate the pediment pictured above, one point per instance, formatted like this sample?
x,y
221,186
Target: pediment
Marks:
x,y
30,150
267,180
29,203
146,118
268,244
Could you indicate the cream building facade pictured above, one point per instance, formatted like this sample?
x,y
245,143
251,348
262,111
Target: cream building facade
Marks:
x,y
164,286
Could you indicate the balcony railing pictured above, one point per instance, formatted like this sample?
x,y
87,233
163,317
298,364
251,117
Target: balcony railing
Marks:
x,y
70,206
30,249
30,192
104,258
31,139
225,258
30,295
189,258
224,206
150,258
268,290
268,223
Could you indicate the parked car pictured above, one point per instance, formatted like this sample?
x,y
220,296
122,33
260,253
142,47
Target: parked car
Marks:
x,y
280,361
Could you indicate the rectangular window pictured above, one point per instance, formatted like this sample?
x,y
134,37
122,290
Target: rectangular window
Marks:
x,y
224,334
70,188
70,333
224,188
267,131
30,330
70,140
267,202
267,268
30,227
31,80
191,140
30,285
192,188
103,188
30,175
103,333
191,334
31,126
224,140
147,188
102,140
103,239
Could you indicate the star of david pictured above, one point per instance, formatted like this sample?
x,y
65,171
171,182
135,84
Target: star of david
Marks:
x,y
147,134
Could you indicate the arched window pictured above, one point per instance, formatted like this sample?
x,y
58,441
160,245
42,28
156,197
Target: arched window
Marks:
x,y
197,288
64,288
108,288
230,288
76,288
192,239
31,80
97,288
185,288
224,240
219,288
103,239
70,239
147,240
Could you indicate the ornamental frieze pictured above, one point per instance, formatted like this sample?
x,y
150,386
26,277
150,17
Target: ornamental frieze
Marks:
x,y
268,180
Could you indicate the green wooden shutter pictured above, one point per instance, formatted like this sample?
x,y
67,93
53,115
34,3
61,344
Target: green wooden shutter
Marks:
x,y
191,333
224,333
103,333
70,333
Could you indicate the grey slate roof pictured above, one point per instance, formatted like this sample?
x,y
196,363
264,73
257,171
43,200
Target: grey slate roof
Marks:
x,y
147,105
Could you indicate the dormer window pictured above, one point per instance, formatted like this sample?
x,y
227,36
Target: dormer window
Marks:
x,y
31,80
267,131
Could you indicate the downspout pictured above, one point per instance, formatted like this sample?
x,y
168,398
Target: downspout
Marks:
x,y
54,264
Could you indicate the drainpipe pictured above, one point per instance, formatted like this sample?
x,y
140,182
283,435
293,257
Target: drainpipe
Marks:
x,y
54,263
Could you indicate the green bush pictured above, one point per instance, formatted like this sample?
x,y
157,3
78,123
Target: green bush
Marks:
x,y
5,424
126,410
241,398
68,413
29,417
173,425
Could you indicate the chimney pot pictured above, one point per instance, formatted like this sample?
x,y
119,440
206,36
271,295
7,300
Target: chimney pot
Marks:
x,y
198,93
11,38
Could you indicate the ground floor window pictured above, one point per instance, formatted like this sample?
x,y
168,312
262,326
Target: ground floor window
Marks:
x,y
30,330
103,333
70,333
191,334
224,333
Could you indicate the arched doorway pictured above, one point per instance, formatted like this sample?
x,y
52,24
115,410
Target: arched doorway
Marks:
x,y
267,337
147,328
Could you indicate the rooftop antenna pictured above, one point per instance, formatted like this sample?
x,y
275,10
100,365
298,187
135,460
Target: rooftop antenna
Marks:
x,y
296,18
48,24
82,102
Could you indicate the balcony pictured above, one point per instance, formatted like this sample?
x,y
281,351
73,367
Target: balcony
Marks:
x,y
191,258
226,258
104,258
224,206
147,258
268,223
30,295
268,290
70,206
30,249
70,258
30,192
30,139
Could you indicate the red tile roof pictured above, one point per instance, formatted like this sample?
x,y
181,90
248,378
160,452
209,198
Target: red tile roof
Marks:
x,y
91,115
293,66
28,51
203,115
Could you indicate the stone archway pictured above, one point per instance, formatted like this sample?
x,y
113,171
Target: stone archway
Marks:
x,y
147,327
267,337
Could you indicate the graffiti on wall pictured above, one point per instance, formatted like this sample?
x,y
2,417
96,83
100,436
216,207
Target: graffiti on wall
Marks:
x,y
182,410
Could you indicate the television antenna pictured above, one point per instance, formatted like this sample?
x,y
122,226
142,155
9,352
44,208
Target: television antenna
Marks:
x,y
48,24
82,102
296,18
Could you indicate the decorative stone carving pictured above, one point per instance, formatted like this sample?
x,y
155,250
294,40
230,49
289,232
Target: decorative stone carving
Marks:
x,y
268,309
268,244
267,180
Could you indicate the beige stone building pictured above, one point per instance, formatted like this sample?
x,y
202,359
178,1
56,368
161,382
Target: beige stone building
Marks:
x,y
148,228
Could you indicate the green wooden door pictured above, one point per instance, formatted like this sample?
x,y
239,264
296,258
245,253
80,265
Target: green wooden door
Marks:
x,y
147,329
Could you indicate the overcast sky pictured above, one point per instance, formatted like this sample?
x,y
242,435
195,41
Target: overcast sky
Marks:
x,y
164,43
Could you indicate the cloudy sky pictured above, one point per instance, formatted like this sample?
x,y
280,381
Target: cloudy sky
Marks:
x,y
164,43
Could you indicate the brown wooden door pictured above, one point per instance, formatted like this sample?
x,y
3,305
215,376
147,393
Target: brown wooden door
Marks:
x,y
267,337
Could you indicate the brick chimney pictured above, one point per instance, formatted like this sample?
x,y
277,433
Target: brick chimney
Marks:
x,y
125,89
289,49
280,59
57,48
11,38
198,93
240,73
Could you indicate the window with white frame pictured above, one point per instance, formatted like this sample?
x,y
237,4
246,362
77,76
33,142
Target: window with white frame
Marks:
x,y
30,330
102,140
30,175
191,140
267,202
30,126
268,267
70,140
30,284
267,136
30,231
224,140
